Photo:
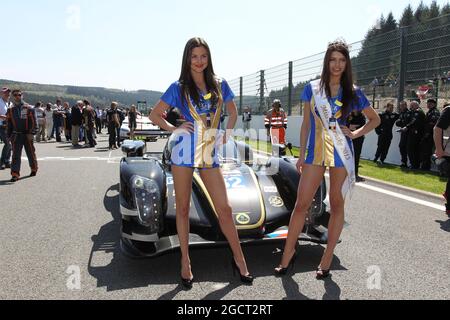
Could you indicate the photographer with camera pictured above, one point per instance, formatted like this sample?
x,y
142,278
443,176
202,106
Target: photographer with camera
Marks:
x,y
442,157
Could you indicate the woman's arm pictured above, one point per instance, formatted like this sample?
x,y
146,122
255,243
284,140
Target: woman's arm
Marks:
x,y
304,134
232,119
373,122
232,115
438,133
156,116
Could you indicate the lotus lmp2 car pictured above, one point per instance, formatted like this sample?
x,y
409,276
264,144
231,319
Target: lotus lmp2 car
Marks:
x,y
262,193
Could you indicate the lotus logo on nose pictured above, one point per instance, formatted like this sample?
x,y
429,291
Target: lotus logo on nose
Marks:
x,y
276,201
243,218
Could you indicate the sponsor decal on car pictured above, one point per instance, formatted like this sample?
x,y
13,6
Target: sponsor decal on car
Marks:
x,y
243,218
276,201
234,182
282,234
270,189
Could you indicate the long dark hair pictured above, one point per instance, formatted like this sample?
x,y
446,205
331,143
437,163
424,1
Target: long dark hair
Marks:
x,y
187,83
348,90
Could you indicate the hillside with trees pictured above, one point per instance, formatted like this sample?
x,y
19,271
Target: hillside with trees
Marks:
x,y
97,96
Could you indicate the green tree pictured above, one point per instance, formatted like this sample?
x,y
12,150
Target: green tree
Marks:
x,y
422,12
407,18
445,9
434,10
390,24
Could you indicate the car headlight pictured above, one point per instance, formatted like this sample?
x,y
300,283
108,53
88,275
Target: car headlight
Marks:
x,y
147,197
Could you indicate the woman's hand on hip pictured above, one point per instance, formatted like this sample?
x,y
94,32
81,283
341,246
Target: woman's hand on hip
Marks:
x,y
185,127
300,164
348,133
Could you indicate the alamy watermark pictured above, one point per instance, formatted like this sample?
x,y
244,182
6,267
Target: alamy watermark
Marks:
x,y
74,280
73,21
375,278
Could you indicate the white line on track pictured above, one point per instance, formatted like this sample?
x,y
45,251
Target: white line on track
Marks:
x,y
393,194
401,196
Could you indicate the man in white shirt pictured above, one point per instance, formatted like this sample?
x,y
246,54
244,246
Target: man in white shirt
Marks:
x,y
5,160
98,120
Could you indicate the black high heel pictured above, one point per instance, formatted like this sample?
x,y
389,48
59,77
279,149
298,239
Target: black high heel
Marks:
x,y
322,274
244,278
283,271
187,283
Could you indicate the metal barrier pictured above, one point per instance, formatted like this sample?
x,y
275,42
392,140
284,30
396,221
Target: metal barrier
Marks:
x,y
406,63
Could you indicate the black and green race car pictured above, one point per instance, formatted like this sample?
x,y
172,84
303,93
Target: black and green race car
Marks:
x,y
262,192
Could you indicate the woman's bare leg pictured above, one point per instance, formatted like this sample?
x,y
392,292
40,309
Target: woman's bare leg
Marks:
x,y
215,184
310,181
183,188
336,223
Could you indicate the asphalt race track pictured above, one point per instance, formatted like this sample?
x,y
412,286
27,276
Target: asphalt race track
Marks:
x,y
66,220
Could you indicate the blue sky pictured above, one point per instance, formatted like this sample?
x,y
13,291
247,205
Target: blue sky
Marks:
x,y
138,44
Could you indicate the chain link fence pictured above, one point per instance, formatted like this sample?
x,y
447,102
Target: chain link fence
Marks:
x,y
406,63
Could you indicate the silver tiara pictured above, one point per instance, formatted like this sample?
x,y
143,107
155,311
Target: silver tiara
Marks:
x,y
339,42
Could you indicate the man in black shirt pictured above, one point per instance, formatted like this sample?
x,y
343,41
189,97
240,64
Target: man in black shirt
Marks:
x,y
403,120
357,120
415,133
77,121
384,131
427,145
443,149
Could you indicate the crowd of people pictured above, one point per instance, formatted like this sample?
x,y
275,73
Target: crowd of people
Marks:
x,y
416,129
22,124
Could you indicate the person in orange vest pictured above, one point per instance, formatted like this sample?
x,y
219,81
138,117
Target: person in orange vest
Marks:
x,y
276,123
22,126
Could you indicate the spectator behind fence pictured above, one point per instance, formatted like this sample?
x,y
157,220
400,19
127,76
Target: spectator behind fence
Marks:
x,y
384,132
403,120
441,131
356,121
415,133
427,143
22,127
246,119
5,159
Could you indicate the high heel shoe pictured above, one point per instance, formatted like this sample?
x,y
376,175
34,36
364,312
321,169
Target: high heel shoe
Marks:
x,y
244,278
187,283
280,271
322,274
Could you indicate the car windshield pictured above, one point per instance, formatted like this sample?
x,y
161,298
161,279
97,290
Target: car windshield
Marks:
x,y
227,153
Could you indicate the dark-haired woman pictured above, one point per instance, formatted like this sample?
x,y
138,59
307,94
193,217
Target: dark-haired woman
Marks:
x,y
132,121
200,96
328,103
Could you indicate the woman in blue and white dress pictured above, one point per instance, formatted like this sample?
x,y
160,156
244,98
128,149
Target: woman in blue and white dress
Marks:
x,y
200,96
327,104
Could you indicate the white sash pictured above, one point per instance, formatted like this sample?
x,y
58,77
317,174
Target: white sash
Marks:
x,y
343,148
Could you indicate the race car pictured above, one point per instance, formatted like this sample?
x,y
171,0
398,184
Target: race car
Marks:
x,y
145,130
262,192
